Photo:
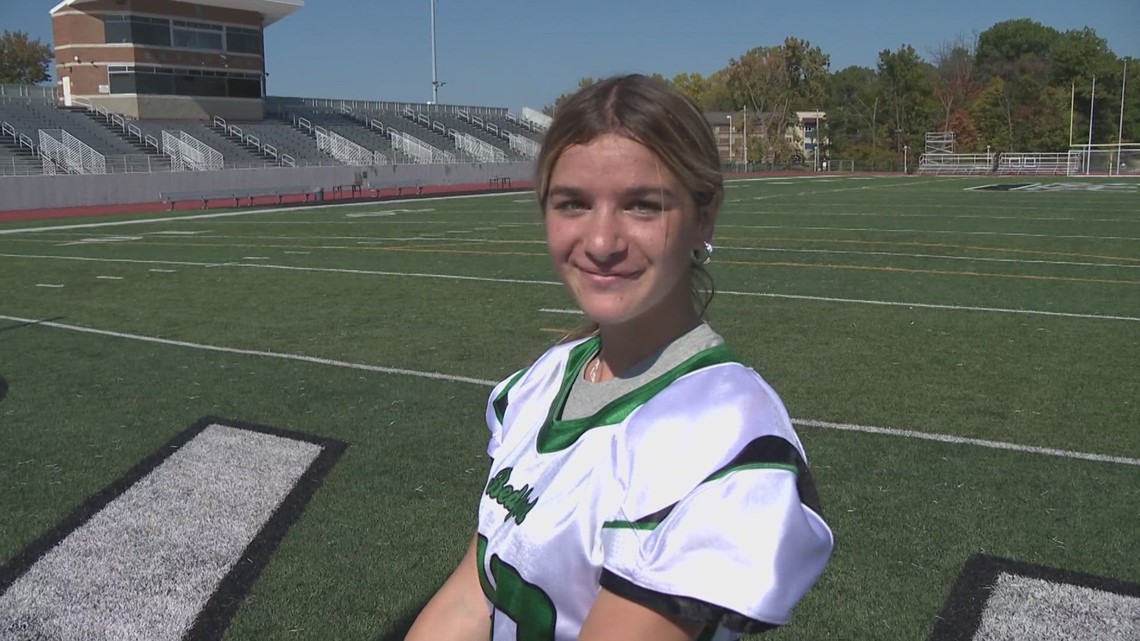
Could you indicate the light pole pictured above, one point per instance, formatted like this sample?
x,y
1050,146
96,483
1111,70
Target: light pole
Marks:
x,y
730,139
435,83
905,149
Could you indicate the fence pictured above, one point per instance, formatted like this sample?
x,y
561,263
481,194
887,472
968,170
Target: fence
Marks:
x,y
188,153
523,145
346,150
69,154
419,151
281,105
479,150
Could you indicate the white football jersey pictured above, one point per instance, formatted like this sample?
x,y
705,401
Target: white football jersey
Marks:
x,y
690,495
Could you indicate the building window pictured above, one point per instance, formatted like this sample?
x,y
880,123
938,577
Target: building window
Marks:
x,y
164,81
136,30
240,40
197,39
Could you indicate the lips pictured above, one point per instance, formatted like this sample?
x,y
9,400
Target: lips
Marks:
x,y
607,278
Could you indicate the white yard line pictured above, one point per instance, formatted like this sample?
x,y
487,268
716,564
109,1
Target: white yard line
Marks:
x,y
231,214
523,281
868,429
109,277
931,231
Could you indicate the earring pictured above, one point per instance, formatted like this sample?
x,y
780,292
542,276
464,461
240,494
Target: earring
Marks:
x,y
704,255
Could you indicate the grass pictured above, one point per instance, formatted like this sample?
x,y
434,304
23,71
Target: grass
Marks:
x,y
395,513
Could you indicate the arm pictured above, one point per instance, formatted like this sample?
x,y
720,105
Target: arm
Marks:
x,y
614,618
458,611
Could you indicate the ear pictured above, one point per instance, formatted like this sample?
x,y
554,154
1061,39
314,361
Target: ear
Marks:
x,y
706,218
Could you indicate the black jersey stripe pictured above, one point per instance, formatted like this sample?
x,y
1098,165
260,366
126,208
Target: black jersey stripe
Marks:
x,y
682,607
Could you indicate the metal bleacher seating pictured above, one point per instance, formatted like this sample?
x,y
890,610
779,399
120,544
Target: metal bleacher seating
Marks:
x,y
27,118
354,130
436,137
288,140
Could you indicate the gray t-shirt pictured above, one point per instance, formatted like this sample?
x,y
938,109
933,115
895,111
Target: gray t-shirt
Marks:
x,y
586,398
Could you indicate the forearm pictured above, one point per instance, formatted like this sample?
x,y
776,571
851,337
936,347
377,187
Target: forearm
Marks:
x,y
458,611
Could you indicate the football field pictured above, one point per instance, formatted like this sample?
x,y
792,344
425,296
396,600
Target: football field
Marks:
x,y
962,363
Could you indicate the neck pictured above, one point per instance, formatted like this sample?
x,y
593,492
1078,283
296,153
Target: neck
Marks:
x,y
627,344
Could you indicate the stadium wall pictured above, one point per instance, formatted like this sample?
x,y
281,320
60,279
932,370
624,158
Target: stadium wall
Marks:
x,y
19,193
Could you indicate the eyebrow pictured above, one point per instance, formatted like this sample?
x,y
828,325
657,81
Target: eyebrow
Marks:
x,y
639,191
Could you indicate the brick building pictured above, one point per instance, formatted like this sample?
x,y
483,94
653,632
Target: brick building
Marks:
x,y
165,58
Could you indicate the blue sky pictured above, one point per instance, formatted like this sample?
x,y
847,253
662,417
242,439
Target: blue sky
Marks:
x,y
518,53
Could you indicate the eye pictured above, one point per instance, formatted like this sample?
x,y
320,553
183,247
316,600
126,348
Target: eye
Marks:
x,y
646,207
570,206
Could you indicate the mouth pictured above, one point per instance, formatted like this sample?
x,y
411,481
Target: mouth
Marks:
x,y
605,278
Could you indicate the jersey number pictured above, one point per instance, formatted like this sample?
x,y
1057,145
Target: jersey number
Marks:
x,y
525,603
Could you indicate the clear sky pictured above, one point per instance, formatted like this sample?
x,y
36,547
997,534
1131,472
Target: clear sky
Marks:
x,y
516,53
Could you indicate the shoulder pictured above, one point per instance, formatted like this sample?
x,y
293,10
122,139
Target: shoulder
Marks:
x,y
700,425
713,408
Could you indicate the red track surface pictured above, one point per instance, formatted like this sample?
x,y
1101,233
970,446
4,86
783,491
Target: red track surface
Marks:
x,y
330,196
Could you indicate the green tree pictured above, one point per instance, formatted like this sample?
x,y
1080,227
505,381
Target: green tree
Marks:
x,y
694,86
908,96
1012,40
854,112
23,61
774,82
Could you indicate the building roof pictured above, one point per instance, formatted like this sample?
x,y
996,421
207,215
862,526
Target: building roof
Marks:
x,y
271,10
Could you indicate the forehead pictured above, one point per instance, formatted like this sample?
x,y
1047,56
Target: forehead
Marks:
x,y
611,162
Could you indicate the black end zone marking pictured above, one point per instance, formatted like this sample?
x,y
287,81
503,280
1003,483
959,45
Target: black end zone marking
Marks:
x,y
962,614
215,617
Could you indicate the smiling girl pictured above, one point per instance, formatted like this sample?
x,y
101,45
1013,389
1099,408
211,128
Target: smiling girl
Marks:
x,y
645,485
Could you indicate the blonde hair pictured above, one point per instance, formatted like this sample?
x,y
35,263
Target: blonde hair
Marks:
x,y
654,114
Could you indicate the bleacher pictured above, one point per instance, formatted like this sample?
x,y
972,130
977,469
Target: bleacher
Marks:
x,y
353,130
297,134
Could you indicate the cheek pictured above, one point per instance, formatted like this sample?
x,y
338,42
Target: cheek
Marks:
x,y
559,241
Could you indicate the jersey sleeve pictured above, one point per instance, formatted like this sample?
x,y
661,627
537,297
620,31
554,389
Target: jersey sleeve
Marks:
x,y
497,405
738,550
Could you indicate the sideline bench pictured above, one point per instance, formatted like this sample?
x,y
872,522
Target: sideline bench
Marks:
x,y
236,195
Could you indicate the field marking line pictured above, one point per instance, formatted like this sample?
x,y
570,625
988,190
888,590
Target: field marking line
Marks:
x,y
935,272
935,231
897,243
976,259
230,214
109,277
523,281
443,250
846,214
50,285
254,352
869,429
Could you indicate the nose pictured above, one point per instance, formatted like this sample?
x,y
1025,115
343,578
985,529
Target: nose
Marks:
x,y
605,242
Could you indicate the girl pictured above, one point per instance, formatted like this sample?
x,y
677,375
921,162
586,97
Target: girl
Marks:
x,y
645,485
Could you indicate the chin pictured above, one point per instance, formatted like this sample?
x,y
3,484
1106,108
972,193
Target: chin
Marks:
x,y
604,314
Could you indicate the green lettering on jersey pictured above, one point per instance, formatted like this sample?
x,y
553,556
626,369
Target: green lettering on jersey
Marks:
x,y
516,500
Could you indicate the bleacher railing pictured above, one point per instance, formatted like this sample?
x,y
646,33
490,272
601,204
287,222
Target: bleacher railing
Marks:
x,y
281,105
345,150
523,145
38,93
187,153
540,120
1002,163
69,153
419,151
479,150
